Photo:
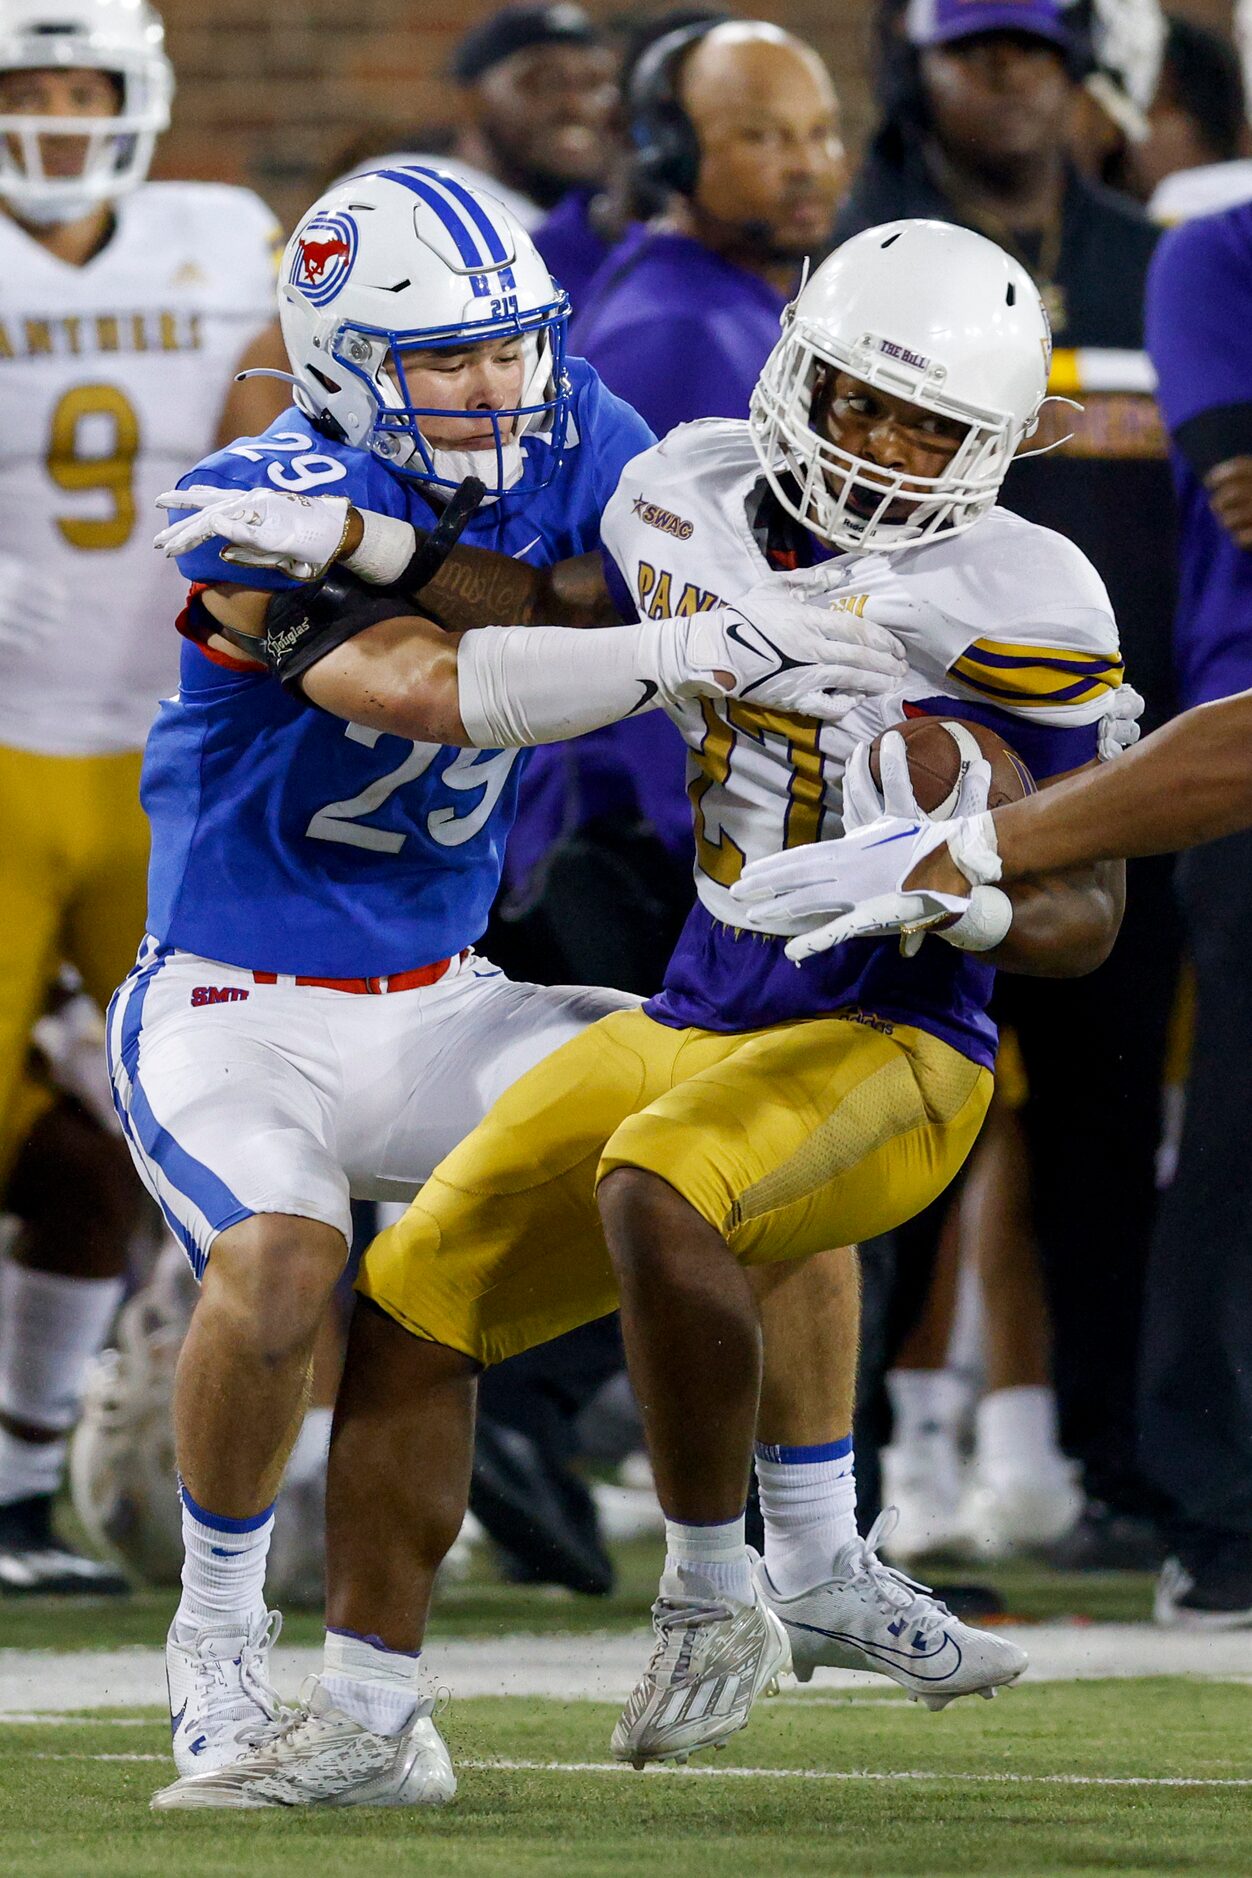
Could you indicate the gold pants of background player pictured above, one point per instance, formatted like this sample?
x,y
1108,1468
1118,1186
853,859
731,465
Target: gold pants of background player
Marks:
x,y
73,885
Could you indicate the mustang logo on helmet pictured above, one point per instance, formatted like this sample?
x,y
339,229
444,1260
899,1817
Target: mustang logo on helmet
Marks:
x,y
324,256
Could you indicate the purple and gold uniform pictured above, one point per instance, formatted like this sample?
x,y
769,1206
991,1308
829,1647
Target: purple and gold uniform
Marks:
x,y
794,1108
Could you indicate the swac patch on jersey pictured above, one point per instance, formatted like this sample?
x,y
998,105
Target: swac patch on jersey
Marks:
x,y
1037,677
324,257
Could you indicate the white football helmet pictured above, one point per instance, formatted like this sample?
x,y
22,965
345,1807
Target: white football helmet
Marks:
x,y
410,257
924,311
122,37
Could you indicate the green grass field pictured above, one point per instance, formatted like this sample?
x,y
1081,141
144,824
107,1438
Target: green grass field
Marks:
x,y
1087,1777
482,1606
860,1785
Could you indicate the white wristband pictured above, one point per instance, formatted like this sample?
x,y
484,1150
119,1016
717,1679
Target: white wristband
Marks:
x,y
520,685
983,924
972,845
386,547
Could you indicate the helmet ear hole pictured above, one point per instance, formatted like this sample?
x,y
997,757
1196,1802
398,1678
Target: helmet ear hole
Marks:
x,y
327,384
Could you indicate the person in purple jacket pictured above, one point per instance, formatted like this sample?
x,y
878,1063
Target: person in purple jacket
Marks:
x,y
737,122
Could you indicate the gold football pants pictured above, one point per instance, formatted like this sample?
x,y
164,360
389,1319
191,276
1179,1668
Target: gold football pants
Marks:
x,y
787,1140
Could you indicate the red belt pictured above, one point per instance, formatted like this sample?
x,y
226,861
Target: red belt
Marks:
x,y
373,987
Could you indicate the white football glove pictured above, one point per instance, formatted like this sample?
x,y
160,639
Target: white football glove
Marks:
x,y
786,647
859,880
1119,727
296,535
989,915
864,801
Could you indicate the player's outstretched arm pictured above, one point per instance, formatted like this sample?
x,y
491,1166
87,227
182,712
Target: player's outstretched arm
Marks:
x,y
1188,783
1061,925
348,649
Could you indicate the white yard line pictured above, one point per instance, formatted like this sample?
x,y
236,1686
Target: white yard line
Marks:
x,y
914,1774
603,1667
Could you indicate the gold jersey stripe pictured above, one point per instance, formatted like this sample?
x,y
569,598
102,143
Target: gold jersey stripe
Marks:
x,y
1037,675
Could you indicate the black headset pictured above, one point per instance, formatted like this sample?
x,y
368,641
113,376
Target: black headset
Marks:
x,y
667,150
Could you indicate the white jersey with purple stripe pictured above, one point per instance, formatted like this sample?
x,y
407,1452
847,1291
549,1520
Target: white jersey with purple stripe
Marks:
x,y
1008,625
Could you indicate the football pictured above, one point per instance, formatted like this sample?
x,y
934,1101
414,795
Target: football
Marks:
x,y
940,748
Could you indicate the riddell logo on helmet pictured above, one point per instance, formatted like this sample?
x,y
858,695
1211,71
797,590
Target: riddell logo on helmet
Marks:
x,y
324,254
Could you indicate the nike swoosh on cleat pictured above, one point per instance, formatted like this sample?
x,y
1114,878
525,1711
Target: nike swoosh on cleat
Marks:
x,y
901,1657
176,1721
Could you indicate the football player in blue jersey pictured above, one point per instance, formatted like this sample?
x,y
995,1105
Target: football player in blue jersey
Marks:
x,y
307,1020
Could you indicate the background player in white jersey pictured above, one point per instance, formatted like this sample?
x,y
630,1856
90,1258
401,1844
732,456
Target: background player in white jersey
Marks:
x,y
322,1029
751,1114
125,307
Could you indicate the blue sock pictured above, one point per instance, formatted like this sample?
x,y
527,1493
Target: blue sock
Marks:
x,y
223,1567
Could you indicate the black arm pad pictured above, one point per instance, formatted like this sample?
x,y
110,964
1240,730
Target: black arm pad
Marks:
x,y
304,623
435,545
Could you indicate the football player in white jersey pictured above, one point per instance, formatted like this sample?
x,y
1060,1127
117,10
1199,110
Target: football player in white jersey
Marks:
x,y
125,308
752,1114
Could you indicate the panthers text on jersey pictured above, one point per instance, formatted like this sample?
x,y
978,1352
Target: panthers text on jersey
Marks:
x,y
1011,627
111,376
288,841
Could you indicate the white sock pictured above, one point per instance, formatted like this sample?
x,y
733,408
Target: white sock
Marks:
x,y
28,1468
808,1503
1016,1434
223,1567
924,1403
308,1455
371,1684
700,1558
50,1330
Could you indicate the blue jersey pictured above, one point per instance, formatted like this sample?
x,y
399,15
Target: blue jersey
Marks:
x,y
288,841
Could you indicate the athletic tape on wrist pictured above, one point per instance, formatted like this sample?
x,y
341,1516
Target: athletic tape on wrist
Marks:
x,y
387,546
972,844
984,924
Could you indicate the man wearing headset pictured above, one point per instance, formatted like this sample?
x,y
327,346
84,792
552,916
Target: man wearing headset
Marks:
x,y
737,122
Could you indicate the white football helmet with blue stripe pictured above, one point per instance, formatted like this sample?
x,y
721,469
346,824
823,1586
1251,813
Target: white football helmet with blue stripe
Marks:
x,y
410,258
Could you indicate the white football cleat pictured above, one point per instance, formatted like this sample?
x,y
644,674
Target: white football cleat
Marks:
x,y
220,1691
925,1482
1004,1515
713,1657
318,1756
867,1616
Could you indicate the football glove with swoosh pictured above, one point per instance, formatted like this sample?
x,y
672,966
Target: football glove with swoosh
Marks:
x,y
829,891
783,644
